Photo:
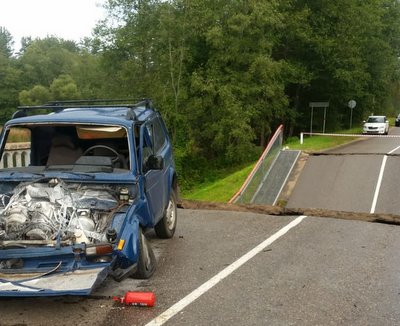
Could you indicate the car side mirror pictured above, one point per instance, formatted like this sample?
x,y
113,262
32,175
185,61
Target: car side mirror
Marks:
x,y
155,162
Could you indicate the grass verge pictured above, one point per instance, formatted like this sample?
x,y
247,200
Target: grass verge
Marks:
x,y
221,190
319,143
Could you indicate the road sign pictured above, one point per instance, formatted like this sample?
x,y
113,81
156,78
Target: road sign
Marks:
x,y
319,104
313,105
352,104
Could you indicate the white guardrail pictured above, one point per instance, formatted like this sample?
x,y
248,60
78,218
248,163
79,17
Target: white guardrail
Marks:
x,y
16,155
344,135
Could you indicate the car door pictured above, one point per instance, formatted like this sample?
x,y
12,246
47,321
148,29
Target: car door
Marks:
x,y
155,180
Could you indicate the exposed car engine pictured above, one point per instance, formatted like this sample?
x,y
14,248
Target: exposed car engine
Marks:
x,y
54,209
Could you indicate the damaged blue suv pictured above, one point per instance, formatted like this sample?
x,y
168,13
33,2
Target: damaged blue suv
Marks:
x,y
75,203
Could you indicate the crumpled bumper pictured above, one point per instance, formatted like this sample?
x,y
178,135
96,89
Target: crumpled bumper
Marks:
x,y
77,282
49,272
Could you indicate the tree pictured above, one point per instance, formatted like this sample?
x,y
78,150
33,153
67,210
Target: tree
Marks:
x,y
145,56
237,86
64,88
38,95
6,42
43,60
9,76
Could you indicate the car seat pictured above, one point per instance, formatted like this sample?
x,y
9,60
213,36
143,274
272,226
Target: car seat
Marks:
x,y
63,151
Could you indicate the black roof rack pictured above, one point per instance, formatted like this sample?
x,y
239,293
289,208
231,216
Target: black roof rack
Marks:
x,y
57,106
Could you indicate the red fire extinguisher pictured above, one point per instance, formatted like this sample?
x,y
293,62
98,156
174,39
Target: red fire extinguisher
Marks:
x,y
142,299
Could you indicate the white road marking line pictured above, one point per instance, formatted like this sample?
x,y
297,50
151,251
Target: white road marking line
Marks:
x,y
393,150
378,184
380,177
180,305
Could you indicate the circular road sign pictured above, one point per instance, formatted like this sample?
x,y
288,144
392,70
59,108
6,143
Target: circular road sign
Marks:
x,y
352,104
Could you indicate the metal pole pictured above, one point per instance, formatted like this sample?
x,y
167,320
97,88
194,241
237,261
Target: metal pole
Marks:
x,y
323,129
351,117
301,138
312,113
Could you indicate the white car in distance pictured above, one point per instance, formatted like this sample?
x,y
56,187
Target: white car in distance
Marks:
x,y
376,124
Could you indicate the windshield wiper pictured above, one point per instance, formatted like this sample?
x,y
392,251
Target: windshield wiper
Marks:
x,y
81,174
40,175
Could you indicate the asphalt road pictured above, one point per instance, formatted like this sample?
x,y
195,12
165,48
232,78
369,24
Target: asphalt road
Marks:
x,y
360,177
321,272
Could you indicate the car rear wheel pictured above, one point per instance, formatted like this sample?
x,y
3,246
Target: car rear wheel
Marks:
x,y
146,264
165,228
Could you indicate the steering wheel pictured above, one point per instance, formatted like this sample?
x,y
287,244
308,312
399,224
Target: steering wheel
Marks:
x,y
114,159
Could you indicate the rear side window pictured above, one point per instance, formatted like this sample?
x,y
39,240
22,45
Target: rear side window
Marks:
x,y
159,136
156,132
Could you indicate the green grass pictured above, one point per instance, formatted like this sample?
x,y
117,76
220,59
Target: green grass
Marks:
x,y
318,143
221,190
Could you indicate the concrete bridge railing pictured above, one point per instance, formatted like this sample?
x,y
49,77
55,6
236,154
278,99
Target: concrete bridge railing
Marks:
x,y
16,155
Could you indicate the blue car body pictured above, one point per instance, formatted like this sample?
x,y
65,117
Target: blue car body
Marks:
x,y
66,225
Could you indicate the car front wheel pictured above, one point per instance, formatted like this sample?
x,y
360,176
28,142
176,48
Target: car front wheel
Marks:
x,y
165,228
146,263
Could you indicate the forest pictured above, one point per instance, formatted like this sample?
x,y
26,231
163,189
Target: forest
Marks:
x,y
224,73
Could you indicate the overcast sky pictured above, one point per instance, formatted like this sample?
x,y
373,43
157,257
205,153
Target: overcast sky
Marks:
x,y
68,19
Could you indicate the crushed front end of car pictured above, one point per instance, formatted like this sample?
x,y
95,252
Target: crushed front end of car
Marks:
x,y
61,238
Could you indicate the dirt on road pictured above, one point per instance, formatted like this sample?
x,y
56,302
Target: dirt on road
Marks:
x,y
276,210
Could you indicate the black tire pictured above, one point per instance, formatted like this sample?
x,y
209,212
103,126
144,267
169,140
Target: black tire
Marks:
x,y
165,228
146,264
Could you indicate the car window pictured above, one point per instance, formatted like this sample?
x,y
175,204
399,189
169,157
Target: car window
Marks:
x,y
157,135
147,150
376,119
60,145
17,149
